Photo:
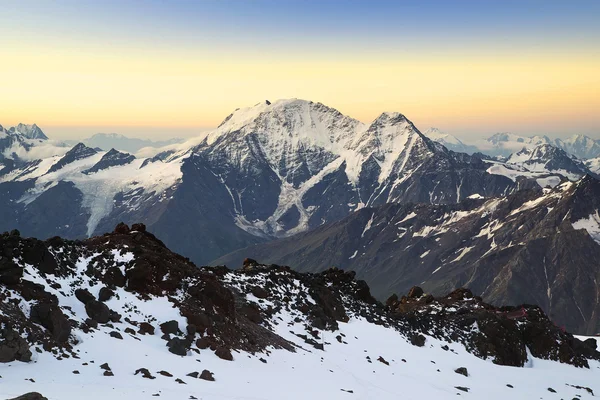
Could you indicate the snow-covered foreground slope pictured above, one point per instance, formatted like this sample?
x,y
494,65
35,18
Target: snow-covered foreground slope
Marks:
x,y
342,371
93,313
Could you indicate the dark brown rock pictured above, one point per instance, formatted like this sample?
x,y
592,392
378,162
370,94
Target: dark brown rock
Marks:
x,y
30,396
51,317
13,347
415,292
116,335
146,328
98,311
417,340
170,327
122,228
84,295
224,353
207,375
105,294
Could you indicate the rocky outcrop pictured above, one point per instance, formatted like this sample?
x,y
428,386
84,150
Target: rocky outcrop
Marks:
x,y
228,311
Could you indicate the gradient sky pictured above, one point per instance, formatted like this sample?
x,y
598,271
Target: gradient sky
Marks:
x,y
172,68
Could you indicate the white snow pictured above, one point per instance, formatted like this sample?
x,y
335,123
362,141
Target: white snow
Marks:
x,y
591,224
341,371
462,253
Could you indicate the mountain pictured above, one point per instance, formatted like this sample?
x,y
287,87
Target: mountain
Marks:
x,y
582,147
549,159
78,152
268,171
450,142
537,246
107,141
32,132
505,143
25,143
112,158
121,316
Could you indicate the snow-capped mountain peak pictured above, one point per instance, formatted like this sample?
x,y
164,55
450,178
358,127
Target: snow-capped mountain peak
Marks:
x,y
291,121
30,131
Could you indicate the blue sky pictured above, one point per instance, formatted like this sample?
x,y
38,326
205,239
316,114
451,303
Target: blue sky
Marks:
x,y
141,66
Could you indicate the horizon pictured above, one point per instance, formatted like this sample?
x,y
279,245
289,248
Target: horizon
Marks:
x,y
155,134
154,70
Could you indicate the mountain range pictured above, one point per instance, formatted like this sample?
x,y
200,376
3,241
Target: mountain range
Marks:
x,y
505,143
296,171
267,171
123,143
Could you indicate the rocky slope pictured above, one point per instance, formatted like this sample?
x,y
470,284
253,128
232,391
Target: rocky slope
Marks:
x,y
535,246
120,315
267,171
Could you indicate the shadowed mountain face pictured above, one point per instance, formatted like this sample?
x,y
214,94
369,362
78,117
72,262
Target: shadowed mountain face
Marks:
x,y
266,172
530,247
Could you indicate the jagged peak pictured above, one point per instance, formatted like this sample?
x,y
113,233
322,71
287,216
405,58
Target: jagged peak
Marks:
x,y
391,117
29,131
78,147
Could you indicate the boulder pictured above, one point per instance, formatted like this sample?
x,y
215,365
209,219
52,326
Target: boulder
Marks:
x,y
122,228
207,375
84,296
37,254
98,311
51,317
417,340
591,343
30,396
105,294
116,335
13,347
10,272
146,328
203,343
224,353
415,292
145,373
138,227
178,346
170,327
259,292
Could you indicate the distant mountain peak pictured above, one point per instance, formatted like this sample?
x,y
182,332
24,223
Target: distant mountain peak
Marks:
x,y
30,131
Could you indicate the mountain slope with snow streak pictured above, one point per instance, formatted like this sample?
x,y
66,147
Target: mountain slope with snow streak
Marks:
x,y
121,316
537,246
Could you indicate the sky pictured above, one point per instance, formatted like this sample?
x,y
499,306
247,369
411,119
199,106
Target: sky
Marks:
x,y
174,68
